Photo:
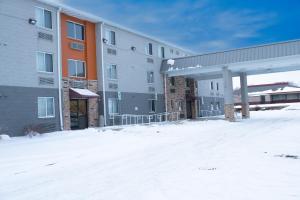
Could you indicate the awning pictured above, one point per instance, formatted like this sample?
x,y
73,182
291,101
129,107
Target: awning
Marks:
x,y
76,93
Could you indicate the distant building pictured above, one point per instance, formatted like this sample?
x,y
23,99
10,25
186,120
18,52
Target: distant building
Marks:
x,y
282,92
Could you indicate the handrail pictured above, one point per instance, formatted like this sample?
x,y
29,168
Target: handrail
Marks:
x,y
127,119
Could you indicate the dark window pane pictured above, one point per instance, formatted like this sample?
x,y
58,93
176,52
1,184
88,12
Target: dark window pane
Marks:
x,y
80,69
49,63
113,37
48,19
71,32
150,49
162,52
72,67
79,32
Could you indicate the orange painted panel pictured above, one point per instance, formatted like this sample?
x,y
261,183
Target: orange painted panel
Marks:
x,y
89,42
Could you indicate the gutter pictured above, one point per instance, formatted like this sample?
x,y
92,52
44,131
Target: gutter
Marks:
x,y
59,70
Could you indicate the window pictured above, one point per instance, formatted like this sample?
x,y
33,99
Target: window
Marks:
x,y
113,106
180,106
75,31
152,104
187,83
149,49
150,77
202,100
43,18
171,51
217,86
212,85
172,81
211,106
218,105
111,37
76,68
161,52
172,104
46,107
44,62
112,72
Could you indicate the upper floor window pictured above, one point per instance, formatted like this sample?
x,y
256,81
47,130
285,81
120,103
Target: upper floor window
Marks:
x,y
112,72
44,62
150,77
149,49
43,18
217,86
111,37
75,31
171,51
46,107
161,52
212,85
76,68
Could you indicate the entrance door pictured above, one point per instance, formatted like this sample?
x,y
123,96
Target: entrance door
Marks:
x,y
189,114
78,113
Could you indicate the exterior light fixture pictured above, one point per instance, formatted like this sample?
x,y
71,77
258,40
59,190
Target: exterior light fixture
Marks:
x,y
133,48
32,21
104,40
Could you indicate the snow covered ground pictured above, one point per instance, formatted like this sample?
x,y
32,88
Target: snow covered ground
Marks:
x,y
253,159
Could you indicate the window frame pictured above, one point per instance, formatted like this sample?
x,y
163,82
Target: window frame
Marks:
x,y
109,39
41,8
161,51
74,29
150,101
108,70
148,49
211,85
76,69
117,104
153,78
46,116
37,65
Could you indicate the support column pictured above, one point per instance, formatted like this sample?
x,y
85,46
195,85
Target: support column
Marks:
x,y
228,95
244,96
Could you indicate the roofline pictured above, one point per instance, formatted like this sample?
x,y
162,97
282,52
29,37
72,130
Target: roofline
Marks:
x,y
96,19
270,84
242,48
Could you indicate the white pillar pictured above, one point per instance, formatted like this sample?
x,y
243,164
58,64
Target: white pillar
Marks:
x,y
228,95
244,96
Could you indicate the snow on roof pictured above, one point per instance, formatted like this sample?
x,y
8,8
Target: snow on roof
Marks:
x,y
84,92
96,19
287,89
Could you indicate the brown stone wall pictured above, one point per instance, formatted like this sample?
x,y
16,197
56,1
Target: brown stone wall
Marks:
x,y
93,115
229,112
176,98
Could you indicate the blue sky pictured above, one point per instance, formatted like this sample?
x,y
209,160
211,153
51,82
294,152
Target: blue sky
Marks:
x,y
203,25
206,25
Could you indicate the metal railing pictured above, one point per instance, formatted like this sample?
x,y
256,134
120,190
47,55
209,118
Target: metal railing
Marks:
x,y
130,119
210,113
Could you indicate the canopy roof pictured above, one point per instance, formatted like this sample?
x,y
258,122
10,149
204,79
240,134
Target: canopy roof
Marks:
x,y
269,58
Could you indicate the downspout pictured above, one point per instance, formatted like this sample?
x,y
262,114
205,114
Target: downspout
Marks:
x,y
59,70
103,73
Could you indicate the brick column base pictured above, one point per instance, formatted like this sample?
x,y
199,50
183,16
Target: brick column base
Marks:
x,y
245,111
229,112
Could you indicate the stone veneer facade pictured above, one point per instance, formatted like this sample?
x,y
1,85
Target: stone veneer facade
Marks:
x,y
177,96
93,103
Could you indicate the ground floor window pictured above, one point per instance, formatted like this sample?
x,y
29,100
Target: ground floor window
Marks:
x,y
152,105
113,106
46,107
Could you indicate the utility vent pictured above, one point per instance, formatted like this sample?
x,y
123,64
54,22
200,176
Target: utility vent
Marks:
x,y
172,90
77,46
77,84
113,86
45,36
111,51
151,89
46,81
150,60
